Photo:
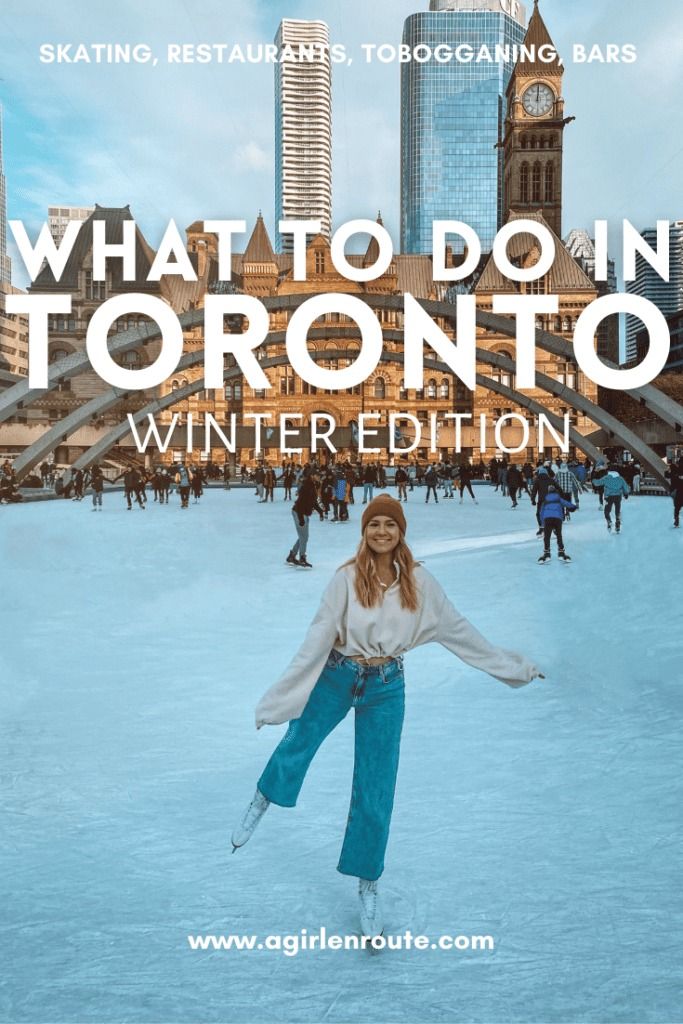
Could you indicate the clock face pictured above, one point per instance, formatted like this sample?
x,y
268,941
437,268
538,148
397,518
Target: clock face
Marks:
x,y
538,99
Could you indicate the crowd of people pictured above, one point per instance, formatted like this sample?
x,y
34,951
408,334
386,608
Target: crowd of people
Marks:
x,y
554,489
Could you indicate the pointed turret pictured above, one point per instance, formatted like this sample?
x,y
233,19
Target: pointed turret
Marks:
x,y
537,36
372,252
259,266
259,248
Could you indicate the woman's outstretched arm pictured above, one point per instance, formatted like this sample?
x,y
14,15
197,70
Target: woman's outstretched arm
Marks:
x,y
459,636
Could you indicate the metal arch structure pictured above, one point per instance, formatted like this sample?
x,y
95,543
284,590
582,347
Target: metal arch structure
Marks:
x,y
20,395
96,406
56,435
101,447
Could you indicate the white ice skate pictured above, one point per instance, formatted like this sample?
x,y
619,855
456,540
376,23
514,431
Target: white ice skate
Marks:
x,y
371,923
253,814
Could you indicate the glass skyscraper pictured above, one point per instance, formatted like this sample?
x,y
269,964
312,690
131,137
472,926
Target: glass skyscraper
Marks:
x,y
667,296
452,117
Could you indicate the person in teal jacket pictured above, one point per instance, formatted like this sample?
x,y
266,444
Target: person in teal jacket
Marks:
x,y
614,488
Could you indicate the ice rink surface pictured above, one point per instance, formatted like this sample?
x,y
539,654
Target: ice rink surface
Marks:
x,y
134,648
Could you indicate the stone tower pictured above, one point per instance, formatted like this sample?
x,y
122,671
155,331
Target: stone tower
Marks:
x,y
534,127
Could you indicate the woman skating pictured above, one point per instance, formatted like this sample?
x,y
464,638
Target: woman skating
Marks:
x,y
377,606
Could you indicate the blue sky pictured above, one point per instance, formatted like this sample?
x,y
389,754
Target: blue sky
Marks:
x,y
197,141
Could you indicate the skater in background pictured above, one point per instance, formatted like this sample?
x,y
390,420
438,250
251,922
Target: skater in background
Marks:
x,y
268,483
97,484
514,483
8,484
614,488
327,492
446,475
599,474
306,502
140,482
197,483
401,481
465,477
551,510
637,473
131,479
78,482
675,476
431,479
259,477
183,479
567,484
503,477
378,606
369,483
288,478
542,482
164,485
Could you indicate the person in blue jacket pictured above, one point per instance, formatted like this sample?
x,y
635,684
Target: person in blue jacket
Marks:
x,y
551,512
614,487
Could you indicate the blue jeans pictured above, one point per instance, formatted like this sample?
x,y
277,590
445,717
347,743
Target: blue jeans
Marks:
x,y
302,535
377,694
368,491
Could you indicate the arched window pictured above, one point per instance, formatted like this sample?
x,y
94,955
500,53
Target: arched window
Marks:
x,y
174,385
524,183
549,183
402,391
533,142
380,389
431,388
558,323
566,324
445,389
536,183
237,391
525,141
55,355
228,391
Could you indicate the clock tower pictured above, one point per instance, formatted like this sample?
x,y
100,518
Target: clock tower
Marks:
x,y
534,126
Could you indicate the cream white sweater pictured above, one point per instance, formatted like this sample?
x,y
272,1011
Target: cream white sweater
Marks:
x,y
385,631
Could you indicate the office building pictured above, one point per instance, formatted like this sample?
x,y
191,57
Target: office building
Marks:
x,y
666,295
581,246
452,119
59,216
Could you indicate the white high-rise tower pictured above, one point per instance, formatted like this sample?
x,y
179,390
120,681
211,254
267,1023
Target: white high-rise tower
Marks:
x,y
5,262
303,126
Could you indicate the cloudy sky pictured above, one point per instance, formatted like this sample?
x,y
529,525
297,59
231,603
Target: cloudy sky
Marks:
x,y
196,141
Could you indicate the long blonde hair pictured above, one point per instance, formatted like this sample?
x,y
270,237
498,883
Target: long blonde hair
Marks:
x,y
366,583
